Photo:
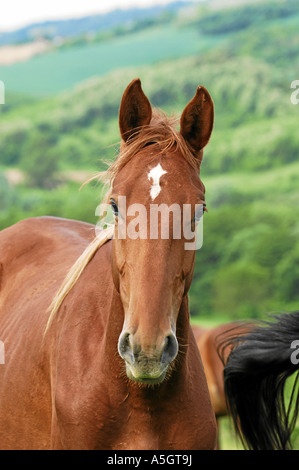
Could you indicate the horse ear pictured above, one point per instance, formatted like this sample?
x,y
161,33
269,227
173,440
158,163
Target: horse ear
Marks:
x,y
197,119
135,110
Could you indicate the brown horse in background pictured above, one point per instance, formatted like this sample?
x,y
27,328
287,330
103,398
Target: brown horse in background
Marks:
x,y
115,365
214,346
209,342
263,402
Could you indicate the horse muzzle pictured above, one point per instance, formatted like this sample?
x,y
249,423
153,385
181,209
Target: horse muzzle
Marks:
x,y
147,365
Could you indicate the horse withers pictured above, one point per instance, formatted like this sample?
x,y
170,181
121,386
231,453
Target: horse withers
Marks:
x,y
112,363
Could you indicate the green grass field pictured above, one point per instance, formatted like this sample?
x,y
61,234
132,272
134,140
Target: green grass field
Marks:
x,y
63,68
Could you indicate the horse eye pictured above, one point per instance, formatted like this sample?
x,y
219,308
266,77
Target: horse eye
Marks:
x,y
198,215
114,207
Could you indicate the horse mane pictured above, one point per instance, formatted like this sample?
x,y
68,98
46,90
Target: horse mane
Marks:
x,y
162,132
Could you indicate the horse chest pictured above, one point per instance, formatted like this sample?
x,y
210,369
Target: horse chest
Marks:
x,y
152,428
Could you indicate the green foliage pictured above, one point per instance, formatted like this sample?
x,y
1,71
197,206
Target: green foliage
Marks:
x,y
40,160
15,101
248,263
65,201
7,197
241,289
237,19
287,275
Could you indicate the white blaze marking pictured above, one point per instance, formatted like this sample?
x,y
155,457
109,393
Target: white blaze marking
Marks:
x,y
155,174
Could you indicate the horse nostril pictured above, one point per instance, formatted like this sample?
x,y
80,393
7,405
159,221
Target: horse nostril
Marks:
x,y
170,349
124,347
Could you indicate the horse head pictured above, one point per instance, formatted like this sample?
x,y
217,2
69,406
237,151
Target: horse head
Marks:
x,y
156,176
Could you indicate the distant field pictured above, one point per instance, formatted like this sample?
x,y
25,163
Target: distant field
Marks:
x,y
10,55
61,69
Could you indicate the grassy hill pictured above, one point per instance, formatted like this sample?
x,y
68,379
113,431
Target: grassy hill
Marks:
x,y
88,60
87,25
267,30
249,261
62,68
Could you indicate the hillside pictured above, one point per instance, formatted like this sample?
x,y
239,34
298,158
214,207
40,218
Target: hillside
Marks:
x,y
266,30
247,58
90,24
85,60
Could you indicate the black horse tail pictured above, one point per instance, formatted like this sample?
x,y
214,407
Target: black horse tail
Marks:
x,y
255,377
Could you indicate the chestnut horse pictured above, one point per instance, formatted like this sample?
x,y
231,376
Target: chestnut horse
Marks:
x,y
99,350
214,347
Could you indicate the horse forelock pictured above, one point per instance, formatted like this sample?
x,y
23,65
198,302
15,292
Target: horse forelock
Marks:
x,y
162,132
